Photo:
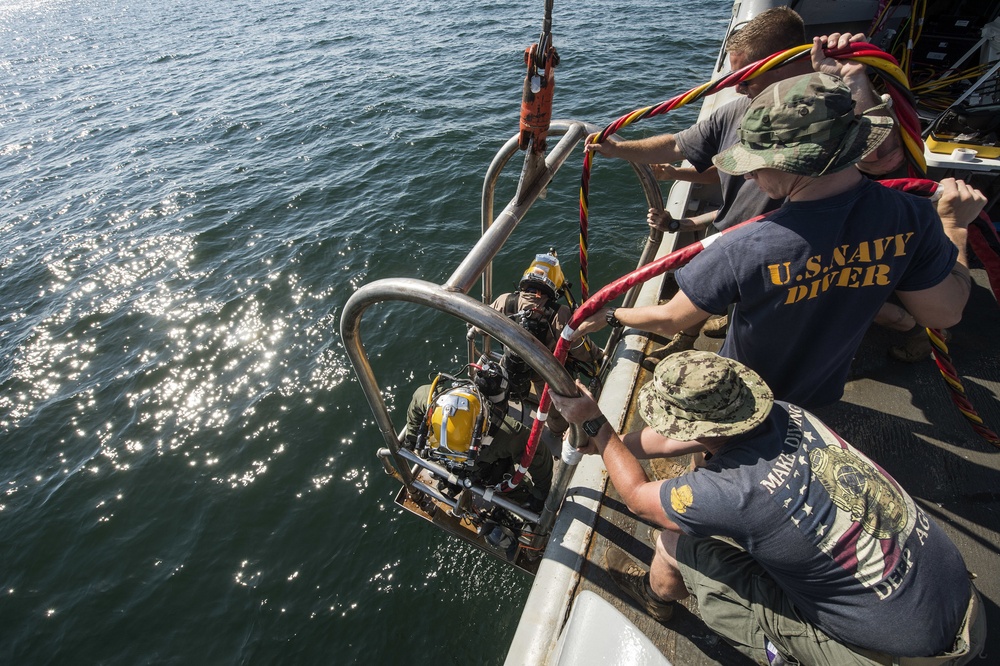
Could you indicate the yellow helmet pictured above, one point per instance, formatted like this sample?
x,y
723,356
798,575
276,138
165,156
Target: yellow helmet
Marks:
x,y
544,273
458,420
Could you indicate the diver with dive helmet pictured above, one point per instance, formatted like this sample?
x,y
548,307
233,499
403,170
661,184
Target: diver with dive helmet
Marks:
x,y
477,427
535,307
468,426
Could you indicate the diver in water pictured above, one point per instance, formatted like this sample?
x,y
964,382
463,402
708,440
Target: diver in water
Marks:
x,y
535,307
467,426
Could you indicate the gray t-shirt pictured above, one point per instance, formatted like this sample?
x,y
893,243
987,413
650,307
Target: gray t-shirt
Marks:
x,y
741,199
855,554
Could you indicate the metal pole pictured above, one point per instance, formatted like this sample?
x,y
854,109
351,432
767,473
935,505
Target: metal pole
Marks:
x,y
493,240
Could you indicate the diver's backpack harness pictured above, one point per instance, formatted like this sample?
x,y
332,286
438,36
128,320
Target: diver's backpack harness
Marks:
x,y
456,422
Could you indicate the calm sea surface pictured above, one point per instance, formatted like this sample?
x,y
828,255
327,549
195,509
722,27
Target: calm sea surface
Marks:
x,y
189,193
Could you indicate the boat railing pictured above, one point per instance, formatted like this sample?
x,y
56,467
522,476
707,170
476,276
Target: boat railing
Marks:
x,y
527,187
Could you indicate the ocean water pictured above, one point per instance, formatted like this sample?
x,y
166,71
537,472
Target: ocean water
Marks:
x,y
189,193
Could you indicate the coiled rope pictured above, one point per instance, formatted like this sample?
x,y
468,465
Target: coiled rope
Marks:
x,y
983,238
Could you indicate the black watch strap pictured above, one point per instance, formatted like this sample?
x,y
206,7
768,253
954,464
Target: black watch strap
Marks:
x,y
593,426
612,319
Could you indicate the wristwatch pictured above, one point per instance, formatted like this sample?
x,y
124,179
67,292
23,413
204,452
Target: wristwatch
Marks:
x,y
593,426
612,319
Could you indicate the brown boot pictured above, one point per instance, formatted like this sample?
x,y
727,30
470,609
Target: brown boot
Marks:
x,y
634,581
680,342
716,326
916,348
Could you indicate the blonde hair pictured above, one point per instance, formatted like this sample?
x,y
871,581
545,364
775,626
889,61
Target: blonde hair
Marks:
x,y
771,31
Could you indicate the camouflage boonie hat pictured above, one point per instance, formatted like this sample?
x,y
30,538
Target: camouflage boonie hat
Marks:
x,y
700,394
804,125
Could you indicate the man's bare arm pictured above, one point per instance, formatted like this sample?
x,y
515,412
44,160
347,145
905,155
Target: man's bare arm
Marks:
x,y
647,443
677,314
640,495
669,172
941,306
890,154
661,219
651,150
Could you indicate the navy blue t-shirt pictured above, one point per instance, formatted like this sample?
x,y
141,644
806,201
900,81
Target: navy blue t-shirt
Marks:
x,y
854,553
809,278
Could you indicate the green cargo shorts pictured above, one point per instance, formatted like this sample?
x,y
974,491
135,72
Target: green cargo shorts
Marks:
x,y
740,601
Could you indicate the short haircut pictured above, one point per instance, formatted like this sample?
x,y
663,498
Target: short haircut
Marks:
x,y
777,29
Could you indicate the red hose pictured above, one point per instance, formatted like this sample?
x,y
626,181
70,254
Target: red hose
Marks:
x,y
588,308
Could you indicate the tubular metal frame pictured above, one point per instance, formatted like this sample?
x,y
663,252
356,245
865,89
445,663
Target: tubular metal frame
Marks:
x,y
452,298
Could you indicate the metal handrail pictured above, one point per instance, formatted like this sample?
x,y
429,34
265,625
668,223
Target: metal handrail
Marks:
x,y
452,298
479,490
647,180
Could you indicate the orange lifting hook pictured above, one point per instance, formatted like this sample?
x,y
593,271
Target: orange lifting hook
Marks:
x,y
536,99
